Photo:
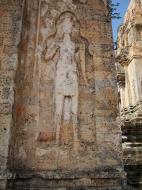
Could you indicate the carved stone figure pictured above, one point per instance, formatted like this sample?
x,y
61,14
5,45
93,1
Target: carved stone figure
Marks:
x,y
66,77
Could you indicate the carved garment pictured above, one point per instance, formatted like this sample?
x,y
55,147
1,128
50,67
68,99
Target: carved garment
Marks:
x,y
66,72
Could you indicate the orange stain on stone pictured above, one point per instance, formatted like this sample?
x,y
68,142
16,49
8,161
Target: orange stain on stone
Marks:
x,y
19,110
2,12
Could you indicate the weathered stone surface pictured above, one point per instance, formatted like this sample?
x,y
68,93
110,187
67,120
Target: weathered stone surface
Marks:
x,y
9,38
64,133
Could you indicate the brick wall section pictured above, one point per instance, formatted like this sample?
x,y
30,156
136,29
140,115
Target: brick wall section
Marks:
x,y
10,19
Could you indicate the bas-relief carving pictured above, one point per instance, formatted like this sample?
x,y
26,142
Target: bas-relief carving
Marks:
x,y
61,32
69,56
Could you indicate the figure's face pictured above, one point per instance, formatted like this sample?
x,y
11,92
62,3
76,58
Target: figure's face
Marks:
x,y
67,26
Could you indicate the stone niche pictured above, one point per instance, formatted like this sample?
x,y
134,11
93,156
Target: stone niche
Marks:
x,y
65,134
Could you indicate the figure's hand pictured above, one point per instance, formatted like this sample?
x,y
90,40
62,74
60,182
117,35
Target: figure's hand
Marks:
x,y
51,51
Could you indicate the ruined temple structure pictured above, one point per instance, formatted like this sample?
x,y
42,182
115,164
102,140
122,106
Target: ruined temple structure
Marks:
x,y
129,76
58,97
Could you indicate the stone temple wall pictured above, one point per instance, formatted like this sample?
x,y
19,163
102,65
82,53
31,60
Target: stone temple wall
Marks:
x,y
58,96
10,23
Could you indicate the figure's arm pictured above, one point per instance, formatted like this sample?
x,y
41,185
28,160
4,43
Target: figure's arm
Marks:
x,y
51,51
83,62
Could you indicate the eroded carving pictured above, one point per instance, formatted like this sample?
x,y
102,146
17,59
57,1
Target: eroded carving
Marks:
x,y
70,55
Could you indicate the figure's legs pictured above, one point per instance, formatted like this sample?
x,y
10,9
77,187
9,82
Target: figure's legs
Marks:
x,y
58,115
67,108
74,117
67,120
